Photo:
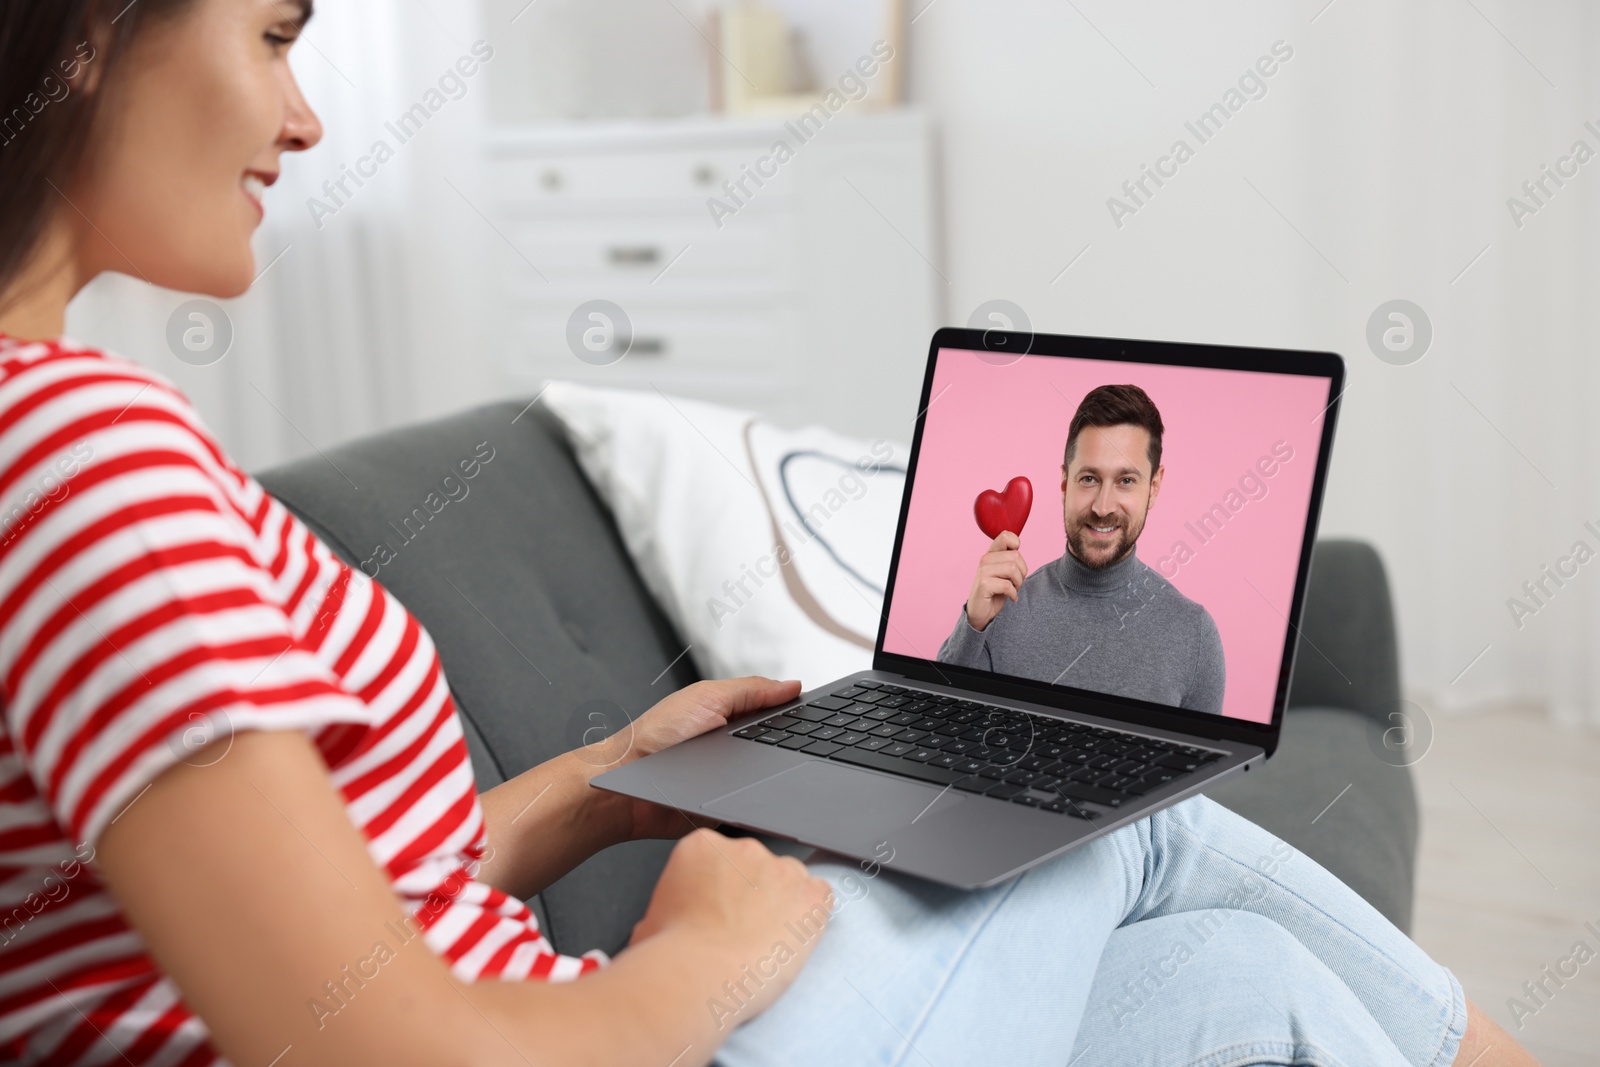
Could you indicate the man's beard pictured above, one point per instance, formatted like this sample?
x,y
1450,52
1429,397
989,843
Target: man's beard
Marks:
x,y
1079,544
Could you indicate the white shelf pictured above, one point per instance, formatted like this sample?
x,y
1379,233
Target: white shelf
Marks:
x,y
811,302
698,131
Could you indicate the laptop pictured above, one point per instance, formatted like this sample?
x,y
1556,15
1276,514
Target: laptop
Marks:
x,y
1091,611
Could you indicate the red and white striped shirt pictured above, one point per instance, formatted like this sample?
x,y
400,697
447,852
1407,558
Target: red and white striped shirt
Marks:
x,y
154,601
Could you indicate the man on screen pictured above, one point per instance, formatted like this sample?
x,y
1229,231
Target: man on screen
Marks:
x,y
1097,618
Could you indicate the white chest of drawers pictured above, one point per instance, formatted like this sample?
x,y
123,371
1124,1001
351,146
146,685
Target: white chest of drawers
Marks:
x,y
808,297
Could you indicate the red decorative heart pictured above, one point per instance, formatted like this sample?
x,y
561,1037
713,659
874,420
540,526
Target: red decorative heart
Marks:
x,y
1007,510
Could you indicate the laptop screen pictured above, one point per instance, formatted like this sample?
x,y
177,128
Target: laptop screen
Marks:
x,y
1124,528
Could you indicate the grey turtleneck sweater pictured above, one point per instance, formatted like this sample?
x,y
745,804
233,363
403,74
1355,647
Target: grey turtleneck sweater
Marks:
x,y
1124,631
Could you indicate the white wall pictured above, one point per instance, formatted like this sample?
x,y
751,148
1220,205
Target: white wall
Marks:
x,y
1390,141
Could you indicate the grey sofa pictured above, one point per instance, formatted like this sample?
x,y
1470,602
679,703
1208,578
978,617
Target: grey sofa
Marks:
x,y
543,624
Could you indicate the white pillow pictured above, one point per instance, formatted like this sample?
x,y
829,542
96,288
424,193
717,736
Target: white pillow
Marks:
x,y
767,548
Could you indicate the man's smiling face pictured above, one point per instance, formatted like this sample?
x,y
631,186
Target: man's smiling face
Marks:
x,y
1106,492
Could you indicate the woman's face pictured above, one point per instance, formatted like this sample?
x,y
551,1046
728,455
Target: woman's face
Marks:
x,y
196,123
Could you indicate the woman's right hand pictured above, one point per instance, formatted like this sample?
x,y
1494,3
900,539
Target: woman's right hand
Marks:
x,y
733,892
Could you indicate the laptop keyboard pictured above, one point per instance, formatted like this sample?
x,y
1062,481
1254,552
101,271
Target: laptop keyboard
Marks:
x,y
980,748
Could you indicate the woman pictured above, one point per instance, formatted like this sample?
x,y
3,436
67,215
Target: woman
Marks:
x,y
325,888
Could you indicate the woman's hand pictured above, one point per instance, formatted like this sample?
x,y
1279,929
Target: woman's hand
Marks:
x,y
690,711
549,819
764,912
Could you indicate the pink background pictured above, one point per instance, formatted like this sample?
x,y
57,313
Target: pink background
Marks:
x,y
1218,424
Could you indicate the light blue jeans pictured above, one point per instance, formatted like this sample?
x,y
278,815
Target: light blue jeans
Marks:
x,y
1192,937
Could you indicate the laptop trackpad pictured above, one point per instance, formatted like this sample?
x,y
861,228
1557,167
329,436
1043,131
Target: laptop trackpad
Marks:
x,y
833,805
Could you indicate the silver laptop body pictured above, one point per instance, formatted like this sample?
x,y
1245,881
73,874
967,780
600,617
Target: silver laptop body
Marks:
x,y
1055,766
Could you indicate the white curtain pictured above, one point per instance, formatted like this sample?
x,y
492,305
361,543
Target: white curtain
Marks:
x,y
1476,467
1377,167
330,342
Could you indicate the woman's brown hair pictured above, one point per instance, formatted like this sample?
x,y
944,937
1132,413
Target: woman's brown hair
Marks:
x,y
56,58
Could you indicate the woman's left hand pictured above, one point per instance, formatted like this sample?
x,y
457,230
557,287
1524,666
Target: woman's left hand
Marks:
x,y
690,711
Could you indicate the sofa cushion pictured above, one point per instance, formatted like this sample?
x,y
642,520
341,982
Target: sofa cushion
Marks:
x,y
1348,655
1368,837
517,573
767,547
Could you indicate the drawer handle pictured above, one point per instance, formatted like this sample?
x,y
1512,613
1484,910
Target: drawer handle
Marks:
x,y
635,255
648,346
